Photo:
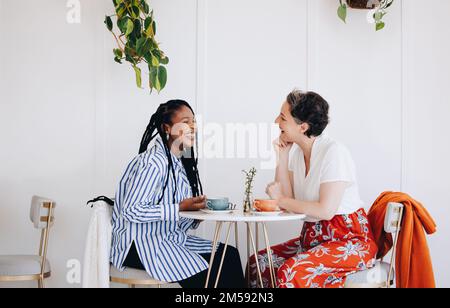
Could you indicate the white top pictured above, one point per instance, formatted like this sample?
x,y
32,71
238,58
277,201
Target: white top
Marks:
x,y
240,216
330,162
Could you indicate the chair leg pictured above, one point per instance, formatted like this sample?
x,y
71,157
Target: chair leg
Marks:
x,y
132,286
41,283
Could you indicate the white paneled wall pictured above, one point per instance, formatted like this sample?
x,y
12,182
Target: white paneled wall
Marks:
x,y
71,119
426,111
359,72
256,54
47,109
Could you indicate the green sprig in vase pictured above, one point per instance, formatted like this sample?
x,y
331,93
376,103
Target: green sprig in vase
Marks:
x,y
248,197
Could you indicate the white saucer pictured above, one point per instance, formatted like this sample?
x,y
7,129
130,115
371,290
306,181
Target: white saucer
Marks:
x,y
207,211
267,213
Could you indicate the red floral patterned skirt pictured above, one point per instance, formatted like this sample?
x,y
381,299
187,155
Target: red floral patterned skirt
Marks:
x,y
324,255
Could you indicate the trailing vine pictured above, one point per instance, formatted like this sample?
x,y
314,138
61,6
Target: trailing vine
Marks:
x,y
134,34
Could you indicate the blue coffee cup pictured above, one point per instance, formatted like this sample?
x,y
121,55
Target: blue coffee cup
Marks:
x,y
221,204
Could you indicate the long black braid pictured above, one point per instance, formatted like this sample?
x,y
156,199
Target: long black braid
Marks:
x,y
163,116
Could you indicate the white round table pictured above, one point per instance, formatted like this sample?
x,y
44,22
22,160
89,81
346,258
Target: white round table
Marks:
x,y
238,216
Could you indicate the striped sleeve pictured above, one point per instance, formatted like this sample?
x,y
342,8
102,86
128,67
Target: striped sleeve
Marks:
x,y
144,189
189,224
195,225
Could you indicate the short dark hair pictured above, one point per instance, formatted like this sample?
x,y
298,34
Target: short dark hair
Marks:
x,y
311,108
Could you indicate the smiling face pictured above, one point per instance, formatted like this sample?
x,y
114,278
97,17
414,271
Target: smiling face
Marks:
x,y
291,131
183,129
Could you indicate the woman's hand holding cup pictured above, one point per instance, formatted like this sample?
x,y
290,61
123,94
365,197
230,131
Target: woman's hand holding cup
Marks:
x,y
193,204
274,190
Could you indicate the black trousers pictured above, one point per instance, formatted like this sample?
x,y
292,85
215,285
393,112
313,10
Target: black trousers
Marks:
x,y
232,275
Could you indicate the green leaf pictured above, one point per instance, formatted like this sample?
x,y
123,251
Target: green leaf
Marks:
x,y
148,27
135,11
130,54
108,23
121,10
153,77
380,25
148,21
138,72
130,49
342,12
118,53
117,2
148,57
378,16
162,77
158,78
137,32
389,4
154,27
143,46
151,59
129,27
145,7
164,60
122,24
155,61
157,53
130,59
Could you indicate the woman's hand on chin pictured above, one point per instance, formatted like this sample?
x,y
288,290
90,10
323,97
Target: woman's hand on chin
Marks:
x,y
282,148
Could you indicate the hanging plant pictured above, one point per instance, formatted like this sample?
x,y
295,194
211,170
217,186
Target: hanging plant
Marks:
x,y
136,43
380,7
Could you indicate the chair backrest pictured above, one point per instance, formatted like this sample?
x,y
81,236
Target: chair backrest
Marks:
x,y
40,211
42,217
394,215
392,224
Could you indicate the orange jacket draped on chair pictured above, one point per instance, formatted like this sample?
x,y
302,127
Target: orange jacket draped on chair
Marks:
x,y
413,264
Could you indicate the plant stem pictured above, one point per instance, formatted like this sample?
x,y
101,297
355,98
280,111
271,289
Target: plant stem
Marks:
x,y
117,40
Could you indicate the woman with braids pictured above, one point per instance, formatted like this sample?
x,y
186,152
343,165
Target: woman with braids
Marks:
x,y
148,233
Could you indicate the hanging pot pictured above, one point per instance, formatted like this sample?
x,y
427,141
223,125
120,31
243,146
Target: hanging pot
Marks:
x,y
363,4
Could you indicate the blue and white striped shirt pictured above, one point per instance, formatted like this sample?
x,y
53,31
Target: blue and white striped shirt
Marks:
x,y
166,251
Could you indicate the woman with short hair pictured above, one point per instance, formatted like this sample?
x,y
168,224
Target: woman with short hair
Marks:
x,y
316,176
